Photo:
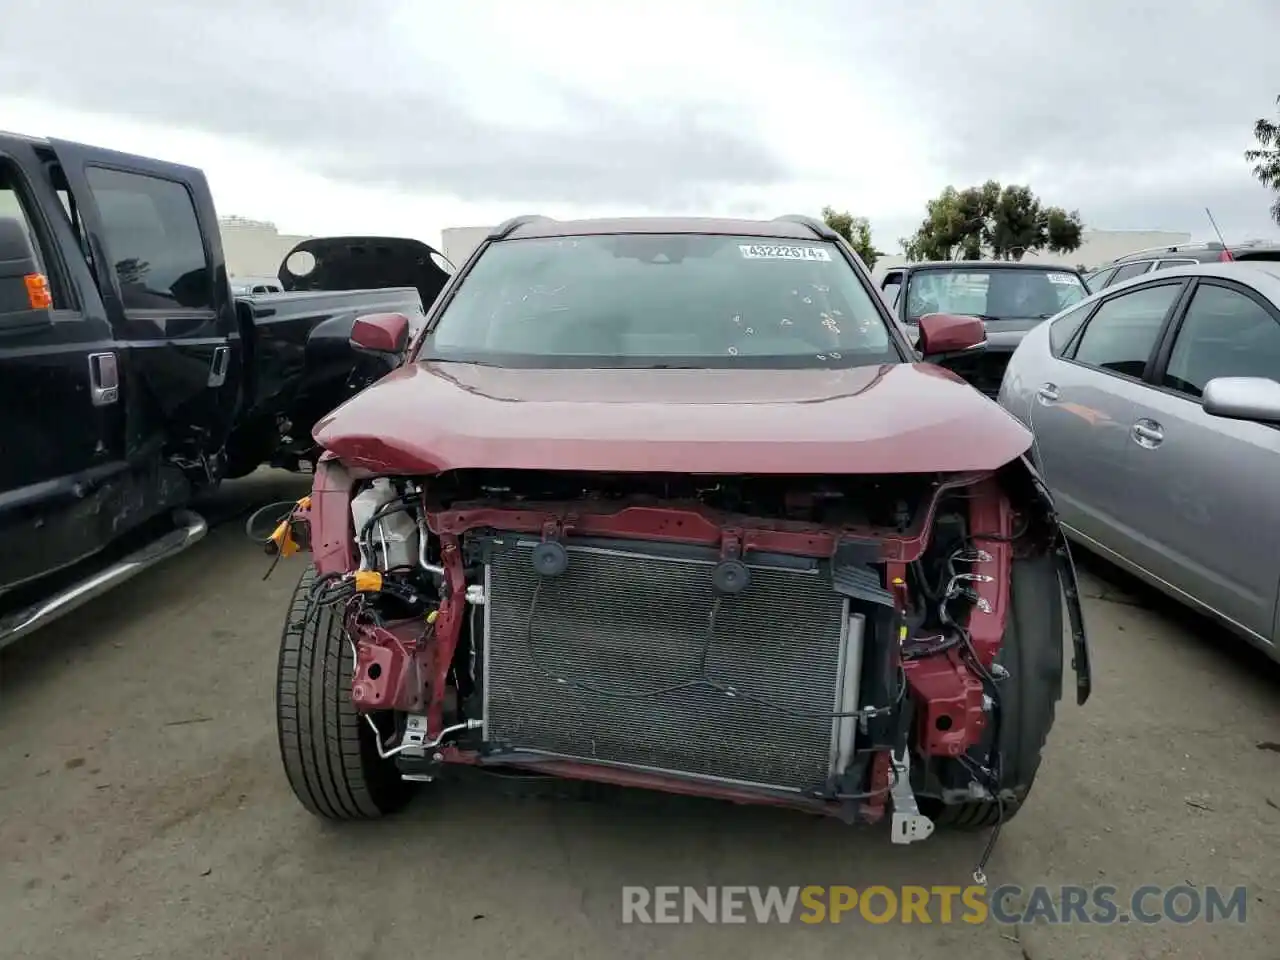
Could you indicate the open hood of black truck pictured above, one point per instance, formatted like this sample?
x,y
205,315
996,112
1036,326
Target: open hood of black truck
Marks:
x,y
365,263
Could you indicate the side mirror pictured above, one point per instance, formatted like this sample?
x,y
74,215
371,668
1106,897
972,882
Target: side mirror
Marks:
x,y
25,298
380,333
947,334
1242,398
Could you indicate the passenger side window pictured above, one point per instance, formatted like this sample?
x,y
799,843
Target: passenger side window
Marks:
x,y
1130,270
1064,328
1224,334
1124,330
154,240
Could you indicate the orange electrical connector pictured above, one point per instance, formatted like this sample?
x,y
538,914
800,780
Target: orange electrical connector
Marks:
x,y
282,541
368,581
39,295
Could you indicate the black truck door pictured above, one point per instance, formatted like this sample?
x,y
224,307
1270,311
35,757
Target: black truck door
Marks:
x,y
62,446
153,226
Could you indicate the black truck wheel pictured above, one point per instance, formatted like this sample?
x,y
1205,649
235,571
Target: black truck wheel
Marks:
x,y
1032,654
328,749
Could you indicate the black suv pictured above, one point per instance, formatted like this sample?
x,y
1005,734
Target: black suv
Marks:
x,y
1009,296
1181,255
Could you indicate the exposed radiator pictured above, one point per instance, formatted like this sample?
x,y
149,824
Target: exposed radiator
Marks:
x,y
606,665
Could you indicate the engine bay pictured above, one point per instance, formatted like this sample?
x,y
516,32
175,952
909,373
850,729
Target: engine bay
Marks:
x,y
830,642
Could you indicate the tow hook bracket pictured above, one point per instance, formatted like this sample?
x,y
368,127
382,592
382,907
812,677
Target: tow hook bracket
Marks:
x,y
731,544
415,735
909,825
730,576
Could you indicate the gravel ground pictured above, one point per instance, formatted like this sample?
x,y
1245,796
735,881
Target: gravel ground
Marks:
x,y
144,813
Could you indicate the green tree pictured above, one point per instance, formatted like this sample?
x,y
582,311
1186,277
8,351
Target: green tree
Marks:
x,y
857,230
1266,158
1007,222
953,226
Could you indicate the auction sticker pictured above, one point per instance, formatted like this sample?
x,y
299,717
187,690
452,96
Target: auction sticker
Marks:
x,y
769,251
1064,278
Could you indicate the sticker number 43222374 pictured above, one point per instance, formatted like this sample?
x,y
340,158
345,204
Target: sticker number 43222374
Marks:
x,y
769,251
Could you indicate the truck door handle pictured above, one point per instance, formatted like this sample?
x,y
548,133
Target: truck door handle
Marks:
x,y
218,366
1147,433
104,379
1048,393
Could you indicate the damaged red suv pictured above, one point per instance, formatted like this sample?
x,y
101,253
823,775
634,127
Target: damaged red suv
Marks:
x,y
675,504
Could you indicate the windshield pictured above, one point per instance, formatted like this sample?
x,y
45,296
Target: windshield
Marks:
x,y
662,300
1014,294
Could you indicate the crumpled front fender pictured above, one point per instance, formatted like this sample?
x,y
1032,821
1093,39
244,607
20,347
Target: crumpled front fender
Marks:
x,y
1024,471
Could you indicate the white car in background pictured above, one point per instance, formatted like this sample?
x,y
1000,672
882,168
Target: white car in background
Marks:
x,y
247,286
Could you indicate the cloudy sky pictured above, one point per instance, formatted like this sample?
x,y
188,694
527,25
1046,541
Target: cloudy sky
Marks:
x,y
406,116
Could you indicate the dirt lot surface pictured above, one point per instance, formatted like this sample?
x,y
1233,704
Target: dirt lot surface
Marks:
x,y
144,813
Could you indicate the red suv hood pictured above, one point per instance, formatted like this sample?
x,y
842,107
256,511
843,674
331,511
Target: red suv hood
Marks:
x,y
430,417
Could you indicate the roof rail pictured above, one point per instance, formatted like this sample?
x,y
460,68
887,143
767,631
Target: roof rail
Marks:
x,y
813,223
1173,248
1163,248
508,227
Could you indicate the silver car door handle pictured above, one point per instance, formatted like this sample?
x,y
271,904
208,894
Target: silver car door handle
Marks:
x,y
218,366
104,379
1048,393
1147,433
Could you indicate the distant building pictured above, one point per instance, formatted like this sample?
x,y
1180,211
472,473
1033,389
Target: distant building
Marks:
x,y
1096,247
254,248
1102,246
457,242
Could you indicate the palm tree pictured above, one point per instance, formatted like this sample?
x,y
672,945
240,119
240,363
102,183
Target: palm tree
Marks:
x,y
1266,158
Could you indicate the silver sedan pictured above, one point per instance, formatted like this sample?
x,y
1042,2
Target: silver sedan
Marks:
x,y
1156,412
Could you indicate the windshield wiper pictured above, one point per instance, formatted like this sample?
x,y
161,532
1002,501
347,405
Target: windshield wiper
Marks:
x,y
667,366
987,318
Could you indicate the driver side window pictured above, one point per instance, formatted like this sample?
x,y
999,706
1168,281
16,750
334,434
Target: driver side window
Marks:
x,y
17,203
1063,329
1098,280
892,289
923,295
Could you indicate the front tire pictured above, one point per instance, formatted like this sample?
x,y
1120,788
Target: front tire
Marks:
x,y
327,748
1032,653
